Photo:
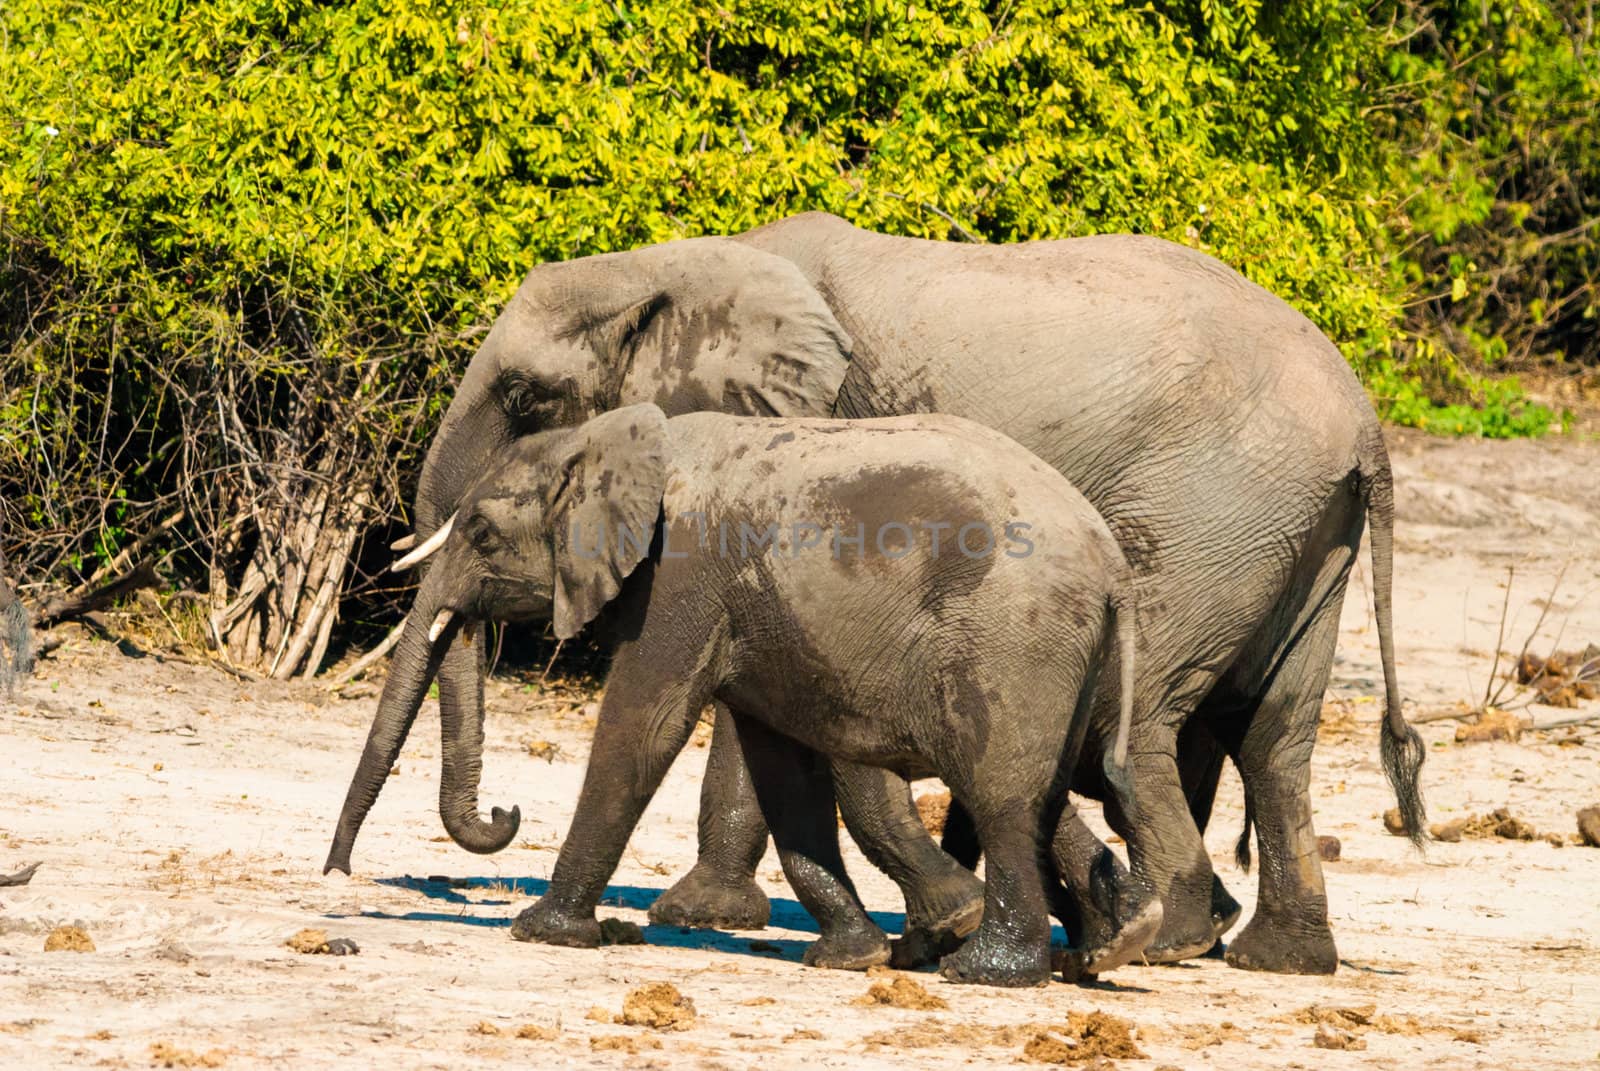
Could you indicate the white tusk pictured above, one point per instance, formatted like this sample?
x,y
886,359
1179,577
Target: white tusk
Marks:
x,y
421,553
405,542
440,623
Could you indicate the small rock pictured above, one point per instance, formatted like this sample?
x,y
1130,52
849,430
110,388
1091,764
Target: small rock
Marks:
x,y
1329,848
1450,832
68,939
1589,826
1393,822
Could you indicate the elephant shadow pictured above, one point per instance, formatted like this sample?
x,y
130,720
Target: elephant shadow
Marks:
x,y
467,894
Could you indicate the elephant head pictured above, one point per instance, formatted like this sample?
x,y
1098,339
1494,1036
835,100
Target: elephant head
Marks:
x,y
698,324
549,533
702,323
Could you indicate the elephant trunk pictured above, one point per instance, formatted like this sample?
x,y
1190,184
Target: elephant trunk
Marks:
x,y
416,662
461,725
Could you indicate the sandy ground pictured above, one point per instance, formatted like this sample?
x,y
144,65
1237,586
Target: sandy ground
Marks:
x,y
182,817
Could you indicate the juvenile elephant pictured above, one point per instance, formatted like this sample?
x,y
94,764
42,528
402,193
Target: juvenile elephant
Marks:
x,y
1220,435
916,593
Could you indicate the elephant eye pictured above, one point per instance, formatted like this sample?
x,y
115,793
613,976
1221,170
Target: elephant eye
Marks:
x,y
520,394
480,533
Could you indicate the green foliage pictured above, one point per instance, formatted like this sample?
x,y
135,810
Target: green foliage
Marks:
x,y
250,237
1496,142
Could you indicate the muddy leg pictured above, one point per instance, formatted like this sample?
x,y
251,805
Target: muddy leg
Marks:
x,y
1289,931
720,892
1012,945
795,788
944,901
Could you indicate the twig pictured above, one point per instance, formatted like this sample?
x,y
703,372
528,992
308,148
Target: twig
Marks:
x,y
1500,637
966,235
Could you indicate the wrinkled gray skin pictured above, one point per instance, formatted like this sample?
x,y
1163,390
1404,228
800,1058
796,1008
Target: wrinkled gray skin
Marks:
x,y
16,634
961,638
1220,435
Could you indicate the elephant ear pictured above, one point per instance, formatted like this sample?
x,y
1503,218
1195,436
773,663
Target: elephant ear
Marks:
x,y
736,330
603,510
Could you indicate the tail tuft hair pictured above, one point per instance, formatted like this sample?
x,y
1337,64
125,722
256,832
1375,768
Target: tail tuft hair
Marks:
x,y
1241,850
1403,752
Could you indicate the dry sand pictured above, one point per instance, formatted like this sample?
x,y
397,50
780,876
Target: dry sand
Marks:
x,y
181,818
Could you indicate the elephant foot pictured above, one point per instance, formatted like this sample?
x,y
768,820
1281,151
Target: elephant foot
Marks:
x,y
706,900
1283,949
927,938
1188,927
984,960
1125,946
548,925
1225,910
852,950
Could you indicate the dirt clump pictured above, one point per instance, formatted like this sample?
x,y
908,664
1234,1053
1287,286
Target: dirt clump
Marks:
x,y
1205,1035
1393,822
1498,823
621,1043
620,932
933,808
597,1014
486,1028
935,1033
1589,826
658,1005
1086,1037
1329,848
801,1034
1564,679
535,1032
165,1054
68,939
311,942
902,992
1492,724
1332,1037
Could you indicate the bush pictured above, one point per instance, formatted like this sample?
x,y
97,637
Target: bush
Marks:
x,y
248,243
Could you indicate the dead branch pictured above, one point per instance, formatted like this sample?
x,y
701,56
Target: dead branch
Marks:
x,y
59,610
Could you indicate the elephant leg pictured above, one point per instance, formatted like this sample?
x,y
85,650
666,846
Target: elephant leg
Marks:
x,y
1114,915
652,701
1200,761
795,788
944,900
1289,931
1011,946
720,892
1165,849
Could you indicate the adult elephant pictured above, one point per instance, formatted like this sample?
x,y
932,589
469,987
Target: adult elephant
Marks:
x,y
16,635
1223,438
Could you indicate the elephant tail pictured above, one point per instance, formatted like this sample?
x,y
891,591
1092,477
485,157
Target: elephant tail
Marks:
x,y
1120,622
1401,748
